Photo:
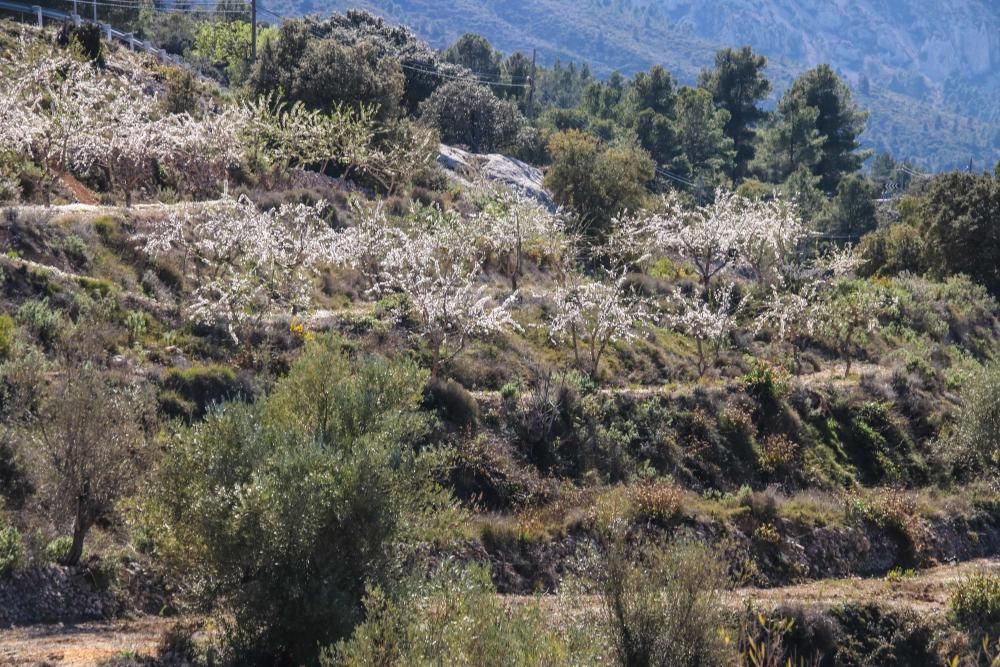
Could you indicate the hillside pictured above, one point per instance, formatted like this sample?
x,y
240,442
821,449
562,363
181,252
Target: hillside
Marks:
x,y
928,72
285,380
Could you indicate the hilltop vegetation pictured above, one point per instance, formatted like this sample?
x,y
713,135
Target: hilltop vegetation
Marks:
x,y
339,399
926,72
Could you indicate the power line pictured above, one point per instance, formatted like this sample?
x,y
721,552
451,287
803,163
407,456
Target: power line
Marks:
x,y
454,77
680,179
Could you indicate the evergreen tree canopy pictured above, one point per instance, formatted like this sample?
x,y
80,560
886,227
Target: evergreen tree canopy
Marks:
x,y
737,83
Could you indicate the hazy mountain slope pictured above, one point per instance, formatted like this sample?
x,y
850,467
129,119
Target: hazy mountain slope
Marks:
x,y
928,71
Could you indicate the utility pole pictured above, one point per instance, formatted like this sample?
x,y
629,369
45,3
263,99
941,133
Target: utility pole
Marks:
x,y
253,32
531,90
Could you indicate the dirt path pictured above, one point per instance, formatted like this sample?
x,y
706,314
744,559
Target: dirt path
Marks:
x,y
82,643
927,592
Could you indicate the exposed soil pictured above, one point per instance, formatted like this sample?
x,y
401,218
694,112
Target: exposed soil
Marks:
x,y
81,643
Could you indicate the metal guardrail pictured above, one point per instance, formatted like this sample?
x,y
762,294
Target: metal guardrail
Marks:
x,y
110,33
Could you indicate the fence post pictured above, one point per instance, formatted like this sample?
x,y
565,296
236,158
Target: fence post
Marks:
x,y
38,12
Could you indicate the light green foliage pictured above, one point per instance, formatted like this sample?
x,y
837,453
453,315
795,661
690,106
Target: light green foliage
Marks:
x,y
665,610
11,550
6,335
285,510
852,311
58,550
597,182
975,605
974,446
457,618
226,45
46,324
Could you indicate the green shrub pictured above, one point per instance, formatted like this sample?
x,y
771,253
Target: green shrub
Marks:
x,y
509,391
135,323
667,608
453,402
57,551
11,550
105,228
41,320
974,446
99,286
767,386
975,605
76,250
6,335
292,506
457,618
189,392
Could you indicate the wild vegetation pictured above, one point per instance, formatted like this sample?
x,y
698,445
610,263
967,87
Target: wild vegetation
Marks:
x,y
354,408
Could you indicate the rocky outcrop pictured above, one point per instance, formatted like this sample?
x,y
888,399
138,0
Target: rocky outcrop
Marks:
x,y
467,168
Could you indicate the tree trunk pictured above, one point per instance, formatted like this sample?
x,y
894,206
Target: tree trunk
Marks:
x,y
80,528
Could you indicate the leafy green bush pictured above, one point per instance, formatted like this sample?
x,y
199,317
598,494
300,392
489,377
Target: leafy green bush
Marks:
x,y
286,510
975,605
458,619
11,550
6,335
189,392
57,551
468,113
41,320
666,609
453,401
974,446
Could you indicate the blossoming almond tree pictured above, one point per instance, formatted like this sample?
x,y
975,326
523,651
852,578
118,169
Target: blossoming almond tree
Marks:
x,y
792,315
508,222
444,290
201,151
709,321
364,246
710,236
593,314
852,310
50,109
770,234
244,263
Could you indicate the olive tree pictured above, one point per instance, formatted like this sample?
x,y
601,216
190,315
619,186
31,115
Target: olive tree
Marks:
x,y
466,112
89,449
284,512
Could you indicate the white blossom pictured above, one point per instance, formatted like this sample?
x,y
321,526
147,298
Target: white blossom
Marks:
x,y
444,290
592,314
511,224
244,262
710,321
